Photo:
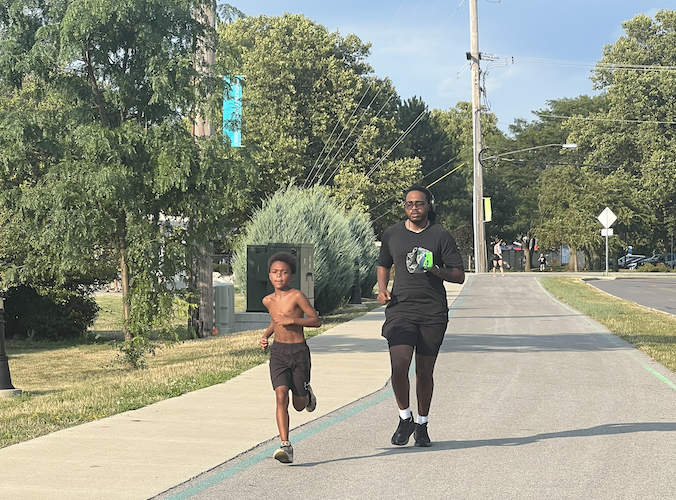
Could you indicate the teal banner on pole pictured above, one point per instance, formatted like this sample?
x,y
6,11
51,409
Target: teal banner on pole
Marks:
x,y
232,110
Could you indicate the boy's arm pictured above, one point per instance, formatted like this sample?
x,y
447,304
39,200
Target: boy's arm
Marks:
x,y
312,319
264,339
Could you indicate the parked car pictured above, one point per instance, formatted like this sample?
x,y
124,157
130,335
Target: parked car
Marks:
x,y
670,260
627,260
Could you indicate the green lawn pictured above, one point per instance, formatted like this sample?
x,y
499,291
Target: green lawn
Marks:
x,y
70,383
651,331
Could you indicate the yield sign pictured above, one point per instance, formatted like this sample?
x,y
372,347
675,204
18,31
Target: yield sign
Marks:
x,y
607,217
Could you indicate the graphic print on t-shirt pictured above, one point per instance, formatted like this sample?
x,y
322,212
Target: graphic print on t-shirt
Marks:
x,y
419,259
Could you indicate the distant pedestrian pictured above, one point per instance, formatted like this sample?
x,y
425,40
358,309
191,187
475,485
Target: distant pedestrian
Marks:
x,y
424,255
290,311
497,258
543,262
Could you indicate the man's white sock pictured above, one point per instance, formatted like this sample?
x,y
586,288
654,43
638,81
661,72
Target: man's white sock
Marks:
x,y
405,414
423,419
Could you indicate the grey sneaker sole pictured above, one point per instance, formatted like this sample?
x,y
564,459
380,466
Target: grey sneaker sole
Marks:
x,y
283,456
312,404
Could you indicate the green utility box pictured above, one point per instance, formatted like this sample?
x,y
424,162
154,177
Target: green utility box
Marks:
x,y
257,282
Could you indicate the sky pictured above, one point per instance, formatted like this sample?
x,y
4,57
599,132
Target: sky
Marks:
x,y
421,44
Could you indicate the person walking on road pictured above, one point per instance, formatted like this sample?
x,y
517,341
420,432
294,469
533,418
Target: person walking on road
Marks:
x,y
497,258
424,255
543,262
290,311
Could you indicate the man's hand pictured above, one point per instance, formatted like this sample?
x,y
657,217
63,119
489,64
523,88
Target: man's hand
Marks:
x,y
263,342
384,297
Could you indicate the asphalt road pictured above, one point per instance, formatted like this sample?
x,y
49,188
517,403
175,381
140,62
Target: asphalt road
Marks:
x,y
532,400
659,294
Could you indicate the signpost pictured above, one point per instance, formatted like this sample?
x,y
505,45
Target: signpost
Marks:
x,y
607,218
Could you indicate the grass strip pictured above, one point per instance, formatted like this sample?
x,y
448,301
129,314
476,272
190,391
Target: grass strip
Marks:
x,y
68,384
653,332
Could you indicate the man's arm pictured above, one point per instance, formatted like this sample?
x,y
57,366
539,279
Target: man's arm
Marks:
x,y
383,274
452,274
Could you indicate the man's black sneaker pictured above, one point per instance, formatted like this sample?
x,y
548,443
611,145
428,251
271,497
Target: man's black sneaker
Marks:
x,y
312,402
404,431
421,436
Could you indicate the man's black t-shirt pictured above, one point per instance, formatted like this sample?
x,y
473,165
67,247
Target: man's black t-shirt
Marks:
x,y
418,295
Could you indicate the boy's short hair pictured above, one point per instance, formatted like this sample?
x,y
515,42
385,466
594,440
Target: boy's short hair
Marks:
x,y
287,258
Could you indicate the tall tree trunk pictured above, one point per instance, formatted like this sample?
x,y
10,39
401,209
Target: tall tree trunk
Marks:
x,y
572,263
206,286
124,271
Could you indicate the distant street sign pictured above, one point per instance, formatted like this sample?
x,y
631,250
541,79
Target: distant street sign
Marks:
x,y
607,232
607,217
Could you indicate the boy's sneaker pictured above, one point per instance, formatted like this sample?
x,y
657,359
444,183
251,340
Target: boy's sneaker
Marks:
x,y
312,403
285,453
404,431
421,436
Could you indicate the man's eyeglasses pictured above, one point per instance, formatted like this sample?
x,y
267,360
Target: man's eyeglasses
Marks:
x,y
417,204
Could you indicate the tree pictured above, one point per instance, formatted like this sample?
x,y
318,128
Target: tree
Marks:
x,y
635,130
98,158
312,110
570,199
512,181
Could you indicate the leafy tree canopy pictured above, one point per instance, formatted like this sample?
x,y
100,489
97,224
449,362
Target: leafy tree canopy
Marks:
x,y
94,148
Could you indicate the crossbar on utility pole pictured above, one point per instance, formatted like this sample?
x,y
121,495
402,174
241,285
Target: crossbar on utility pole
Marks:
x,y
477,203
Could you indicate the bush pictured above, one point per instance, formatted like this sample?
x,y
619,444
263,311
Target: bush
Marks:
x,y
56,314
294,215
650,268
362,231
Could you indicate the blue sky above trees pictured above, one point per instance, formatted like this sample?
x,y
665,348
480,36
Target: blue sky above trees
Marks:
x,y
421,44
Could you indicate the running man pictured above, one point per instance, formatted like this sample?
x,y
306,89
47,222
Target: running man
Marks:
x,y
290,311
424,255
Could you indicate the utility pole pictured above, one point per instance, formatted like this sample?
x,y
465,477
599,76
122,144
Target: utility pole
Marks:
x,y
205,59
478,199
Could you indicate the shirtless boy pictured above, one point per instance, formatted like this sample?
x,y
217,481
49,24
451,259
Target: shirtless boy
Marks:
x,y
290,311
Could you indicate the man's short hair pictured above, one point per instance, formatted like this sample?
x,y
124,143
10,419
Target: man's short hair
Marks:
x,y
287,258
423,190
431,214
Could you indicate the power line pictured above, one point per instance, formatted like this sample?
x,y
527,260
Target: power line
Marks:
x,y
353,145
428,186
345,141
419,180
387,153
618,120
497,60
341,133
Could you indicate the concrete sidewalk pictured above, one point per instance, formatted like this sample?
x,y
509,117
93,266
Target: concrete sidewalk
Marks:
x,y
532,400
142,453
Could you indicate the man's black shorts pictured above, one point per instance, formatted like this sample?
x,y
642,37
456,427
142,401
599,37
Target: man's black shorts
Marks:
x,y
290,366
425,338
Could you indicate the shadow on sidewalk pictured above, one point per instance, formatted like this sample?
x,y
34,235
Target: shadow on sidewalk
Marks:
x,y
599,430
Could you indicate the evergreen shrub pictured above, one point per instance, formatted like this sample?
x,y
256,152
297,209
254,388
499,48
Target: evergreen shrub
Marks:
x,y
362,231
295,215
